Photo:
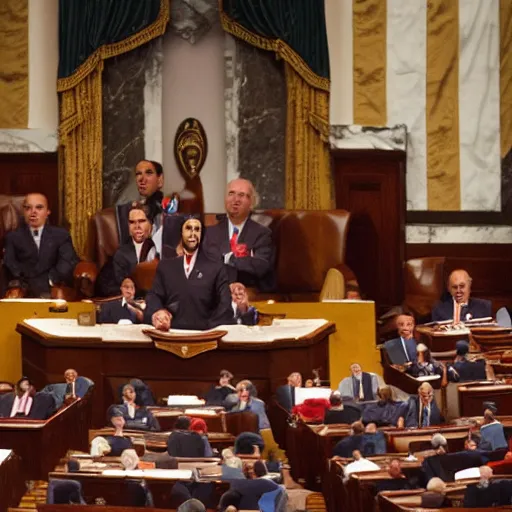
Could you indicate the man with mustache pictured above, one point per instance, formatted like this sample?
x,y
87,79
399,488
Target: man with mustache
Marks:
x,y
460,307
190,291
37,254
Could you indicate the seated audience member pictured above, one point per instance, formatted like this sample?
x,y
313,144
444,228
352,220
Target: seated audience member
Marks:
x,y
64,492
199,425
248,493
243,312
243,245
149,176
460,307
100,447
402,350
425,365
191,505
397,482
354,441
360,464
484,493
183,442
249,443
492,433
467,367
219,392
386,412
190,291
124,309
118,443
139,248
24,402
352,292
137,417
374,442
247,401
38,255
73,387
422,410
435,496
129,459
360,386
285,394
143,394
231,465
339,412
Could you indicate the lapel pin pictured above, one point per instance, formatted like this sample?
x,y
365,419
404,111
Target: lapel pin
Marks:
x,y
199,275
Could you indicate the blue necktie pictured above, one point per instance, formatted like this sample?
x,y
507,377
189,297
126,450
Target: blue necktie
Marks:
x,y
425,422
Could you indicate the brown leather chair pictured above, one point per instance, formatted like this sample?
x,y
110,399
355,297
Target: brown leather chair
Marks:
x,y
308,244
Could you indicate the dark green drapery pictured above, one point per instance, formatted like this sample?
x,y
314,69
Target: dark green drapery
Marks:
x,y
299,23
86,25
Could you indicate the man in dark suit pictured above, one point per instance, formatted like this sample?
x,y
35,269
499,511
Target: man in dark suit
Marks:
x,y
285,395
38,255
243,245
243,312
460,307
422,410
402,350
190,291
139,248
149,176
114,311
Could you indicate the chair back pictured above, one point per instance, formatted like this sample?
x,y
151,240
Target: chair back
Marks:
x,y
64,492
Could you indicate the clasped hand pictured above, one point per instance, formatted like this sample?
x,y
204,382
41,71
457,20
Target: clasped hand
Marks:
x,y
161,320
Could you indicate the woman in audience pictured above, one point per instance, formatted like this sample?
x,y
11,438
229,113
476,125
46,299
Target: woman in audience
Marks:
x,y
136,417
118,443
386,411
199,425
220,391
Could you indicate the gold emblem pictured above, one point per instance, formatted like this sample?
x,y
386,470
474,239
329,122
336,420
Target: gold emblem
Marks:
x,y
184,350
190,147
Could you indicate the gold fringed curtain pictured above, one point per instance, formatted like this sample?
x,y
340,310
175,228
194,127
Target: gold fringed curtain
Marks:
x,y
309,183
80,132
308,171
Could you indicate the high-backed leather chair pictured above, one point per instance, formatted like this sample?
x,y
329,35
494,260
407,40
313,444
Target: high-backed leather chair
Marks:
x,y
308,244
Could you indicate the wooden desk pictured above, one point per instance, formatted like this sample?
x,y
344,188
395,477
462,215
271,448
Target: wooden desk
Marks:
x,y
41,444
110,488
12,483
111,364
473,395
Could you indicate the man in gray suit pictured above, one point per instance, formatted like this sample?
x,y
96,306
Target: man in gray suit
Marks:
x,y
243,245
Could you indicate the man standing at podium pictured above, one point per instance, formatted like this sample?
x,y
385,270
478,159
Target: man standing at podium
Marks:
x,y
38,255
460,307
190,291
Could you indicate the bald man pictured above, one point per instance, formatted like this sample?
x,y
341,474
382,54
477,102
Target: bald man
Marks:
x,y
243,245
37,254
461,307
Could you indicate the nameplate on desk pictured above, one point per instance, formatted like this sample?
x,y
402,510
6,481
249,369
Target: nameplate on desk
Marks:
x,y
87,318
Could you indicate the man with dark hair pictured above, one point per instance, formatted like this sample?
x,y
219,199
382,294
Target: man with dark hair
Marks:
x,y
37,254
190,291
468,368
118,443
149,177
125,308
242,244
402,350
340,412
183,442
460,307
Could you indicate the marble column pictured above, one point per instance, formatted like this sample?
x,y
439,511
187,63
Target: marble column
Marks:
x,y
131,112
256,120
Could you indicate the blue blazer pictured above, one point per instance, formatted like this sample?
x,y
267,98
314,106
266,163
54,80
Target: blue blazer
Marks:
x,y
396,353
477,308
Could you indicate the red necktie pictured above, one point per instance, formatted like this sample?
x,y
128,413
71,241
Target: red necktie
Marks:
x,y
234,238
188,259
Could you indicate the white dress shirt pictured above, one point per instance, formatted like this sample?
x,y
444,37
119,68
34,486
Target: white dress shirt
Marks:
x,y
151,254
37,239
189,268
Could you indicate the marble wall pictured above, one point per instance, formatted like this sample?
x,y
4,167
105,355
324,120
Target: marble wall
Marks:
x,y
256,120
130,106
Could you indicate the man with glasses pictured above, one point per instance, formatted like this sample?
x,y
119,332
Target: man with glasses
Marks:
x,y
37,254
243,245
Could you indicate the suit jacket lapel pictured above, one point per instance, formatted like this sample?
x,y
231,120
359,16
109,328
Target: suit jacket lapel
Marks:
x,y
30,239
245,237
132,253
45,244
225,245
